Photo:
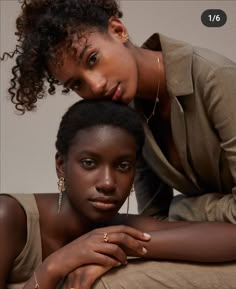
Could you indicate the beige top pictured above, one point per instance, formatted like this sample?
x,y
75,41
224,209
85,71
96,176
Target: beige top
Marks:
x,y
31,255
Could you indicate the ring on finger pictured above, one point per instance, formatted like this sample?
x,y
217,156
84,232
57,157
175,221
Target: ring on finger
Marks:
x,y
105,237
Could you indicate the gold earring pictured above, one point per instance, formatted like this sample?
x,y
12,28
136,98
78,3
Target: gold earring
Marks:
x,y
125,38
61,188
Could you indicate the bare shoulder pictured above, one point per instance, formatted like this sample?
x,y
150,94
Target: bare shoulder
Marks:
x,y
13,232
13,227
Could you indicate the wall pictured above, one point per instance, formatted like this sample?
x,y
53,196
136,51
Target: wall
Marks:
x,y
27,142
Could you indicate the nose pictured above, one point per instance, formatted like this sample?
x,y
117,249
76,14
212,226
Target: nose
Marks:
x,y
106,181
96,83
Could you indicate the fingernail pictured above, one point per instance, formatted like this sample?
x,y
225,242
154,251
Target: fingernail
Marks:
x,y
118,264
144,250
147,236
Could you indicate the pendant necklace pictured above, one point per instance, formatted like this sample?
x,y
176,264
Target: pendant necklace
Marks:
x,y
157,95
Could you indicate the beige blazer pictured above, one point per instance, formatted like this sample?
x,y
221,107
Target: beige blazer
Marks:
x,y
202,87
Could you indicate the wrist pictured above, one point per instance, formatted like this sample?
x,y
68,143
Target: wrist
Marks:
x,y
53,267
48,274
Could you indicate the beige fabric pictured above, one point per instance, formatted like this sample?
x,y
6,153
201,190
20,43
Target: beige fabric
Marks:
x,y
31,255
169,275
202,87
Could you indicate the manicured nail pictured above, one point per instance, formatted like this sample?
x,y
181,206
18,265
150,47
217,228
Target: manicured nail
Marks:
x,y
147,236
144,251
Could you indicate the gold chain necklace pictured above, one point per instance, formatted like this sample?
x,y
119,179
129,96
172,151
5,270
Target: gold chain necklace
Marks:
x,y
157,95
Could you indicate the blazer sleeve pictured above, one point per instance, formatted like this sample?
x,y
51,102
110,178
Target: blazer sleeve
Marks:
x,y
153,196
220,102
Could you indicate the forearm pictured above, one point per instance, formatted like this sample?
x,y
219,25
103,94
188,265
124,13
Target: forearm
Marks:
x,y
201,242
89,248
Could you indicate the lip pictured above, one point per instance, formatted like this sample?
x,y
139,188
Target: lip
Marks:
x,y
103,203
115,93
103,206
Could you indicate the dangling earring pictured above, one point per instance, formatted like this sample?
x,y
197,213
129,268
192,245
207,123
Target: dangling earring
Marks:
x,y
125,38
127,210
131,191
61,188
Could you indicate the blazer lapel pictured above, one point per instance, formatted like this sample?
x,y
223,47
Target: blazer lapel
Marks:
x,y
160,165
180,139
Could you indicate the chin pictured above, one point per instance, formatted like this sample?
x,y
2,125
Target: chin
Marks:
x,y
127,99
102,218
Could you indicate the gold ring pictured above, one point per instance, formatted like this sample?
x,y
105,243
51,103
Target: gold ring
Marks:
x,y
105,237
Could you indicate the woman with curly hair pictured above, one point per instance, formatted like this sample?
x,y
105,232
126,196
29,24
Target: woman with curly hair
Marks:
x,y
185,95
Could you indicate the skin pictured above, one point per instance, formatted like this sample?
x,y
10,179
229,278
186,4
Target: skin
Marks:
x,y
102,174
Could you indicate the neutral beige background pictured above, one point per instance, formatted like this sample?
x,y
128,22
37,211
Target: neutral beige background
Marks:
x,y
27,142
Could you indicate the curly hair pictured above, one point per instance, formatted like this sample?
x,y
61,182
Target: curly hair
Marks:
x,y
85,114
41,27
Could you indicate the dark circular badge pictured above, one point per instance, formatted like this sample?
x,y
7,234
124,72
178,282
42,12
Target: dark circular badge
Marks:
x,y
213,18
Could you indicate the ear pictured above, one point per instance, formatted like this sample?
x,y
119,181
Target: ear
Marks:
x,y
60,165
117,28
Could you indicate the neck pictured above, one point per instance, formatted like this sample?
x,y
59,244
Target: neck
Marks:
x,y
150,73
77,224
152,85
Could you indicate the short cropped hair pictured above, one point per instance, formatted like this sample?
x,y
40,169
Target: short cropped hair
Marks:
x,y
91,113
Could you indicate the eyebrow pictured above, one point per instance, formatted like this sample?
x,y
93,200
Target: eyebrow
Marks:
x,y
86,46
95,154
81,55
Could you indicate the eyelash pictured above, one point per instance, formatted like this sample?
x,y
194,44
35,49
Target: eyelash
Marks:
x,y
90,164
85,162
91,60
127,168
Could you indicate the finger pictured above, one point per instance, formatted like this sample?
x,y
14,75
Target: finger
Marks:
x,y
114,251
77,277
105,256
137,234
89,274
92,273
68,283
125,241
84,277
